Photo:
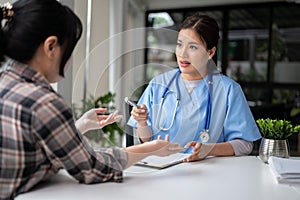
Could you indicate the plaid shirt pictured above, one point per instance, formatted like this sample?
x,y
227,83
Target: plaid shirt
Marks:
x,y
38,136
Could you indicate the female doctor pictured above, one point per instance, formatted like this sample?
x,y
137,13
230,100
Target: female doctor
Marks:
x,y
194,104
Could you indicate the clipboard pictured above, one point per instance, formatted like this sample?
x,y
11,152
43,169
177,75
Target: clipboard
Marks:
x,y
157,162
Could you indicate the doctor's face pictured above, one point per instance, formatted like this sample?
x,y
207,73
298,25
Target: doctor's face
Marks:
x,y
192,55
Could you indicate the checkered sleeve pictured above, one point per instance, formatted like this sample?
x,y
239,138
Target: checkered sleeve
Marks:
x,y
65,148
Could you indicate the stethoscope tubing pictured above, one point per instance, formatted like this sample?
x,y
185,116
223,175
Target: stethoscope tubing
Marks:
x,y
162,100
208,108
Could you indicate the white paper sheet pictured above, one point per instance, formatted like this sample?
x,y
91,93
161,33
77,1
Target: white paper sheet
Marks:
x,y
285,170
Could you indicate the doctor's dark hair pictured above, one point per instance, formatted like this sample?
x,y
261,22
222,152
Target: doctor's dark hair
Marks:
x,y
206,27
31,23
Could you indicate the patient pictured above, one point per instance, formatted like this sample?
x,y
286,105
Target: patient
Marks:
x,y
38,135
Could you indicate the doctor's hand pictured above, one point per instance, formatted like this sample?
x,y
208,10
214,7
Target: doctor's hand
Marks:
x,y
197,154
92,119
140,114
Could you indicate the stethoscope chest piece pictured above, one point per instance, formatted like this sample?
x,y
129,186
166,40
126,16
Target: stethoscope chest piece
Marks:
x,y
204,136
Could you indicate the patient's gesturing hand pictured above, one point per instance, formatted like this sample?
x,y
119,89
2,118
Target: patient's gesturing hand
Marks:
x,y
164,147
93,119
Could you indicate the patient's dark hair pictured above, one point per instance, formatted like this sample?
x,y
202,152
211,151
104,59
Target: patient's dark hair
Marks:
x,y
206,27
31,23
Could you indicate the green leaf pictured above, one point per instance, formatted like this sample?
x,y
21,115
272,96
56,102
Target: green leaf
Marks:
x,y
276,129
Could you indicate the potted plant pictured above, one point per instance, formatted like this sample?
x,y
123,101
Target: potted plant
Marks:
x,y
110,135
275,133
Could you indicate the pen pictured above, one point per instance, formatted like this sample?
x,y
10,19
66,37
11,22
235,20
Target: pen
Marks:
x,y
126,99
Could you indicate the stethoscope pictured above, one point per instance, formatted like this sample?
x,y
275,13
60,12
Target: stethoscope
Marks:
x,y
204,135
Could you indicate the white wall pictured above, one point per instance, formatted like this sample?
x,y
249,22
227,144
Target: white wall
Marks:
x,y
126,51
115,35
94,60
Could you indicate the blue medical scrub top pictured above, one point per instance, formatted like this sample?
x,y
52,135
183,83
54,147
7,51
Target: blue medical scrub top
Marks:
x,y
230,118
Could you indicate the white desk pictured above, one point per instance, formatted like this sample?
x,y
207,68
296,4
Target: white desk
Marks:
x,y
233,178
